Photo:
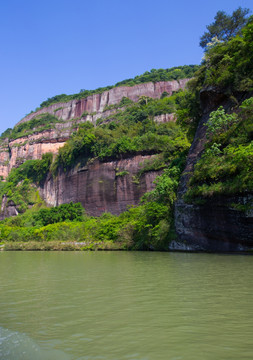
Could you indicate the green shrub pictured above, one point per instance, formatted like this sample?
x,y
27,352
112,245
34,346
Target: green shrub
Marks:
x,y
20,183
72,212
41,122
129,132
219,121
228,65
225,167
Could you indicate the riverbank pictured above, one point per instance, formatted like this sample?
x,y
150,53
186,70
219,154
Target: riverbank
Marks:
x,y
94,246
62,246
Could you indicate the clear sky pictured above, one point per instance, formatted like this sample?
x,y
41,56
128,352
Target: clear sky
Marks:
x,y
50,47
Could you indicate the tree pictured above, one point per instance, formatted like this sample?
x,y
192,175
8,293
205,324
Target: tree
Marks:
x,y
225,26
219,121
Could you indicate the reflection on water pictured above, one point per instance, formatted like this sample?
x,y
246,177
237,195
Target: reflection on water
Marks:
x,y
114,305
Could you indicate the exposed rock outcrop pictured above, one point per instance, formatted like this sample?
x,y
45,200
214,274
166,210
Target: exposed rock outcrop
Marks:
x,y
4,159
112,186
8,208
95,104
71,114
214,226
101,187
165,118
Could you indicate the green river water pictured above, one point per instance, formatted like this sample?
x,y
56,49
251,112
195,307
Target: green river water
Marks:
x,y
125,306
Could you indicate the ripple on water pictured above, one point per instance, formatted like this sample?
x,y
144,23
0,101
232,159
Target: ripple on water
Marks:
x,y
133,306
17,346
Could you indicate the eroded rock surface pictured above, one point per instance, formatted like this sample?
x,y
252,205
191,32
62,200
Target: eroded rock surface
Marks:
x,y
8,208
96,103
101,187
71,114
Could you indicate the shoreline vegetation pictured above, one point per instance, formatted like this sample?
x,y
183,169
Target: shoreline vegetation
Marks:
x,y
63,246
92,246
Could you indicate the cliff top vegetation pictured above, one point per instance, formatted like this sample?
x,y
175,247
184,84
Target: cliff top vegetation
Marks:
x,y
224,27
154,75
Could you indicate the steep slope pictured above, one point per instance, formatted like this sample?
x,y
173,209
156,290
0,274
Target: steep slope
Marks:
x,y
101,187
123,167
38,141
214,210
97,103
219,223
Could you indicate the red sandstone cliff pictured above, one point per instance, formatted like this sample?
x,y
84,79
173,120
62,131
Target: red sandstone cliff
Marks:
x,y
14,153
99,187
96,103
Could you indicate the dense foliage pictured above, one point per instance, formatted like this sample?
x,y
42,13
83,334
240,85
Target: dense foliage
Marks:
x,y
225,26
154,75
226,165
39,123
175,73
6,133
72,212
147,226
19,186
228,65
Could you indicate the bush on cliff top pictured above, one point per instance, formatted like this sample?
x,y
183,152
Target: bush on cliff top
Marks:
x,y
39,123
229,64
224,27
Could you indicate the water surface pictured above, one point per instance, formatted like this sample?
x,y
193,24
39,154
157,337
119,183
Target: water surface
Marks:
x,y
125,305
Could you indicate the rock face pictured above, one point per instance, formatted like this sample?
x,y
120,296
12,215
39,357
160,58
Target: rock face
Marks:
x,y
21,151
114,185
96,103
4,159
8,208
70,114
165,118
216,225
101,187
15,152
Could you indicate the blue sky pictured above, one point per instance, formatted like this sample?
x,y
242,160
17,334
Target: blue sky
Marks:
x,y
62,46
